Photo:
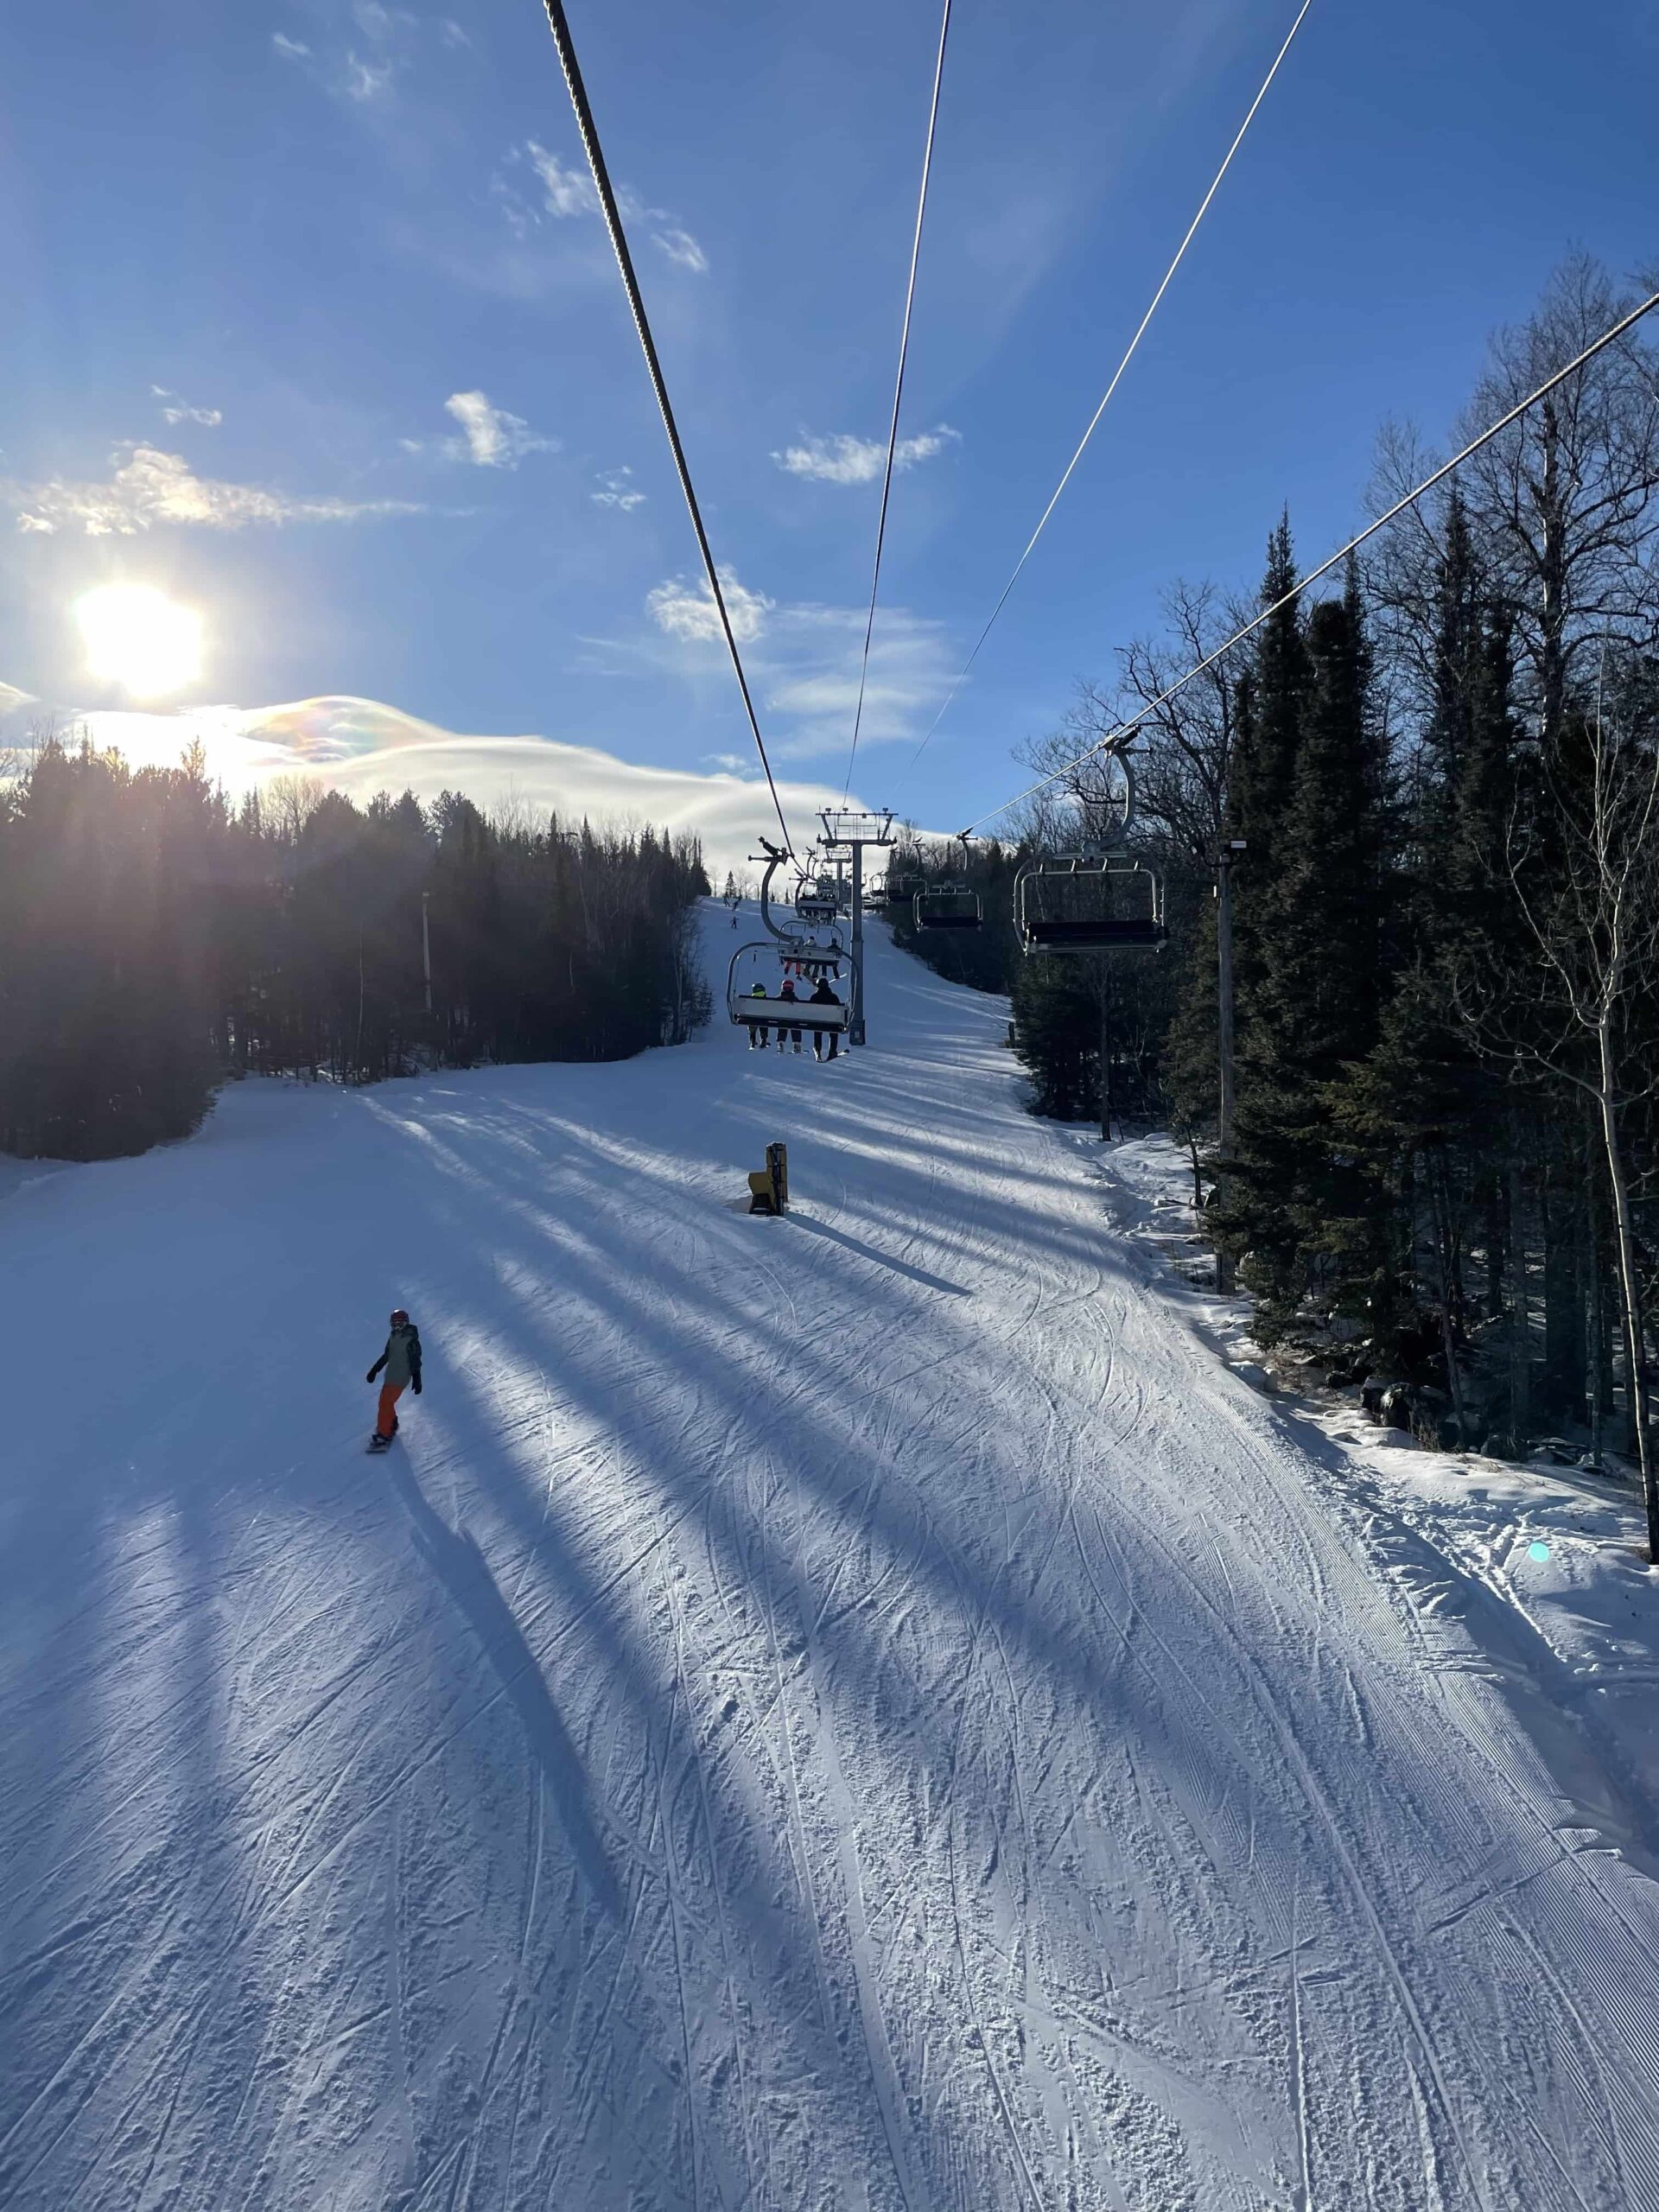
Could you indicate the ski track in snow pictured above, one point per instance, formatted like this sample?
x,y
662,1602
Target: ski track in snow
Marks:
x,y
857,1713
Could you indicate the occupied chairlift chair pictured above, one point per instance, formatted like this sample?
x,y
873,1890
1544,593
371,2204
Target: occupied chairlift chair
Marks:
x,y
816,901
1089,902
809,961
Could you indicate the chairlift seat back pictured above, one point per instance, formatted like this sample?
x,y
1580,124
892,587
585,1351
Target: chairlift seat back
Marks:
x,y
1119,933
789,1013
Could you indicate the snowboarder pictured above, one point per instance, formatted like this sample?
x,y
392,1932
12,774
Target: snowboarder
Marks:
x,y
789,993
402,1362
824,996
758,1031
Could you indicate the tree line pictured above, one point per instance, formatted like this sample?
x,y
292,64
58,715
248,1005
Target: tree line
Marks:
x,y
1445,940
155,941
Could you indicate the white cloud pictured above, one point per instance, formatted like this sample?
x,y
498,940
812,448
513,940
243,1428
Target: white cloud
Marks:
x,y
451,32
683,609
388,41
803,660
683,249
845,460
491,438
616,490
148,488
569,191
365,81
178,411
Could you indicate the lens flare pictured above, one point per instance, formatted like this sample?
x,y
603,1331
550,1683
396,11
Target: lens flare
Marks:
x,y
139,639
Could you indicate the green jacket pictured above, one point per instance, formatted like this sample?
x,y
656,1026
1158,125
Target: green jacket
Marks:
x,y
401,1358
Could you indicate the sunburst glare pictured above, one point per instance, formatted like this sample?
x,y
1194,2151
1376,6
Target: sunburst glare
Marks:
x,y
139,639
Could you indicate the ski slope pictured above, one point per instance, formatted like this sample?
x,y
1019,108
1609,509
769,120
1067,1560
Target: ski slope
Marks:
x,y
861,1711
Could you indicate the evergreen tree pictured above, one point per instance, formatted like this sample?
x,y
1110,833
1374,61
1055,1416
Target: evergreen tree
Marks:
x,y
1295,1194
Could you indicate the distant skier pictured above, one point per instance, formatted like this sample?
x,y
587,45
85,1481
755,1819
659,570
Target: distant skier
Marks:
x,y
402,1362
824,996
789,992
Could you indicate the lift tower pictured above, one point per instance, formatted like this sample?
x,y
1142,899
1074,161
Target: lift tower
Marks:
x,y
848,830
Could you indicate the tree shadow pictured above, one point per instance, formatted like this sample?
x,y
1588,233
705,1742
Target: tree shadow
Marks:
x,y
460,1566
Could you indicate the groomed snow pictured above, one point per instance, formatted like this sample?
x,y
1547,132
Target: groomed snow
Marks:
x,y
864,1711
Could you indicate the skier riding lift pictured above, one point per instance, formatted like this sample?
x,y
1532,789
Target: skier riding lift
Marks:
x,y
758,1031
824,996
790,993
401,1361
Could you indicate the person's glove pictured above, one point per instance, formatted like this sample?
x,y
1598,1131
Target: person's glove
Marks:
x,y
369,1377
418,1386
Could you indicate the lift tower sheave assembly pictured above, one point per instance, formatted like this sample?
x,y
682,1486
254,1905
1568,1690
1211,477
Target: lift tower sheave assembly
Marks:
x,y
849,829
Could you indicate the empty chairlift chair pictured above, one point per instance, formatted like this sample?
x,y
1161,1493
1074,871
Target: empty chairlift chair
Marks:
x,y
947,906
1086,902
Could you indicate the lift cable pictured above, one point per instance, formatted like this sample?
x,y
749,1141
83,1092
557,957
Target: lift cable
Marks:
x,y
1115,738
898,395
560,30
1117,378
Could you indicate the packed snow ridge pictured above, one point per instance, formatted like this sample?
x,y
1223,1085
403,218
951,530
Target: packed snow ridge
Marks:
x,y
863,1710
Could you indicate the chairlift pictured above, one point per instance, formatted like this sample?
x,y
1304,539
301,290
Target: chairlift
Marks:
x,y
1089,902
816,901
770,1010
947,906
807,960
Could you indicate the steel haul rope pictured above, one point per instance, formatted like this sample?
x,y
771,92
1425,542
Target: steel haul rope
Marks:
x,y
1116,737
560,27
1117,378
898,394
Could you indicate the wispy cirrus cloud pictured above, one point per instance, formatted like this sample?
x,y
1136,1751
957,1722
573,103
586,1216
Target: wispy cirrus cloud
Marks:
x,y
567,189
616,490
176,410
491,437
847,460
803,661
148,488
682,250
363,47
684,607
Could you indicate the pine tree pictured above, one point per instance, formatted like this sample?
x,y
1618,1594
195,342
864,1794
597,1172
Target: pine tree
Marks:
x,y
1295,1195
1271,700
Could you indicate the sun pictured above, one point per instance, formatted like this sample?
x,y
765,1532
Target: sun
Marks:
x,y
139,639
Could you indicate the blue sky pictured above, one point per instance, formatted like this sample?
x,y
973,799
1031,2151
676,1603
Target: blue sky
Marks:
x,y
359,238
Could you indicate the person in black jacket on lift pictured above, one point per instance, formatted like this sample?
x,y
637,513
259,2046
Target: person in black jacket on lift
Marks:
x,y
824,996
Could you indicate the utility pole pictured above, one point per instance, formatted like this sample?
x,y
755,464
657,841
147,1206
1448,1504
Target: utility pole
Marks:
x,y
846,830
426,946
1227,852
1105,966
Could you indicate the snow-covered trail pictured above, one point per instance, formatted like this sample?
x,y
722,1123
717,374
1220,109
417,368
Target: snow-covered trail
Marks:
x,y
859,1711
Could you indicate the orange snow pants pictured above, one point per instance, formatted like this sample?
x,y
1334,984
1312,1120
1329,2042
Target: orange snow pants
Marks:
x,y
387,1421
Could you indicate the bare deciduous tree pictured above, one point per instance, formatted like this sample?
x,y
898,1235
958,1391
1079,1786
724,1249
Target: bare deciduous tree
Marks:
x,y
1586,885
1564,504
